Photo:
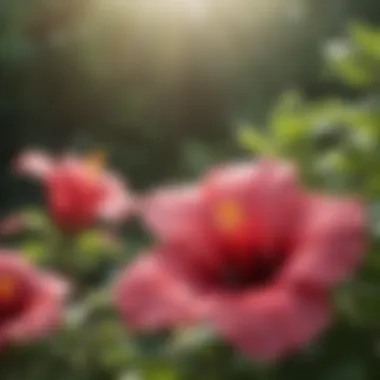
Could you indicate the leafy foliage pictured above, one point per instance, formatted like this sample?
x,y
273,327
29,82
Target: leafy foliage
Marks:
x,y
336,143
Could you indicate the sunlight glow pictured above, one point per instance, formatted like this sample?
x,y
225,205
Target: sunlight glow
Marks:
x,y
196,9
212,36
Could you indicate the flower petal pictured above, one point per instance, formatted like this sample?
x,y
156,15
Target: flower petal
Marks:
x,y
73,195
267,195
149,295
11,261
34,163
272,323
44,313
178,217
118,203
332,242
176,214
47,293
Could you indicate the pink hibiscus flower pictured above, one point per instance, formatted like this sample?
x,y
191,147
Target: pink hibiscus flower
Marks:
x,y
78,191
248,250
31,301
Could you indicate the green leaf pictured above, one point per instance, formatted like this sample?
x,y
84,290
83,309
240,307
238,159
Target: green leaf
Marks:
x,y
366,38
89,242
349,369
289,102
155,370
191,338
353,72
96,243
36,219
130,375
346,61
359,302
252,140
35,251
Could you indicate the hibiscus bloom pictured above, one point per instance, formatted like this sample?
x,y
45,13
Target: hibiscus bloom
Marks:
x,y
78,191
31,301
248,250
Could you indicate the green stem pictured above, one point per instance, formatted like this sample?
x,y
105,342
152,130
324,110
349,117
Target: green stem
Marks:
x,y
64,247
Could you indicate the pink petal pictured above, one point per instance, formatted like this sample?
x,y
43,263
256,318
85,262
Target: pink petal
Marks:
x,y
118,203
11,261
149,295
268,195
71,160
45,306
45,311
272,323
73,195
333,242
176,214
34,163
178,217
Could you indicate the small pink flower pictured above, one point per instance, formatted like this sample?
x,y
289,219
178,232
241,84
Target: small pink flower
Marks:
x,y
34,163
12,225
78,191
31,301
248,250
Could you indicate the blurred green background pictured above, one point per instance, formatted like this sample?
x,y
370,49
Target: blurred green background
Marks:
x,y
168,88
161,85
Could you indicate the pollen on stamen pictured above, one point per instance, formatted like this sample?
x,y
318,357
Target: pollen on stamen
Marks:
x,y
96,161
7,287
228,215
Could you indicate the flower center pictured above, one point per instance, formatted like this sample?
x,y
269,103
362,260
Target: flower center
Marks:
x,y
7,288
228,216
95,162
15,295
259,272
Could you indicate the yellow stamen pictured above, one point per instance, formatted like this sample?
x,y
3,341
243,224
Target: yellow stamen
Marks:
x,y
95,161
7,287
229,215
